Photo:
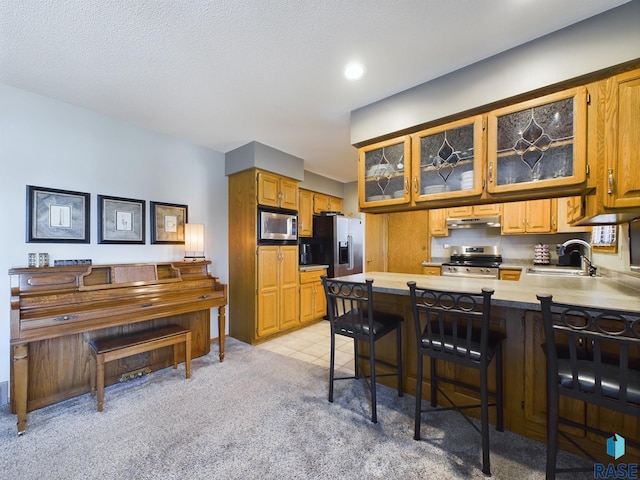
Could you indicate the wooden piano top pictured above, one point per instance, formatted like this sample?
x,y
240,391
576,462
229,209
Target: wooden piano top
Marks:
x,y
54,301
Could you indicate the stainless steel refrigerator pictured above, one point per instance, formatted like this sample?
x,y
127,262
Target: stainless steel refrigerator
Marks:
x,y
338,242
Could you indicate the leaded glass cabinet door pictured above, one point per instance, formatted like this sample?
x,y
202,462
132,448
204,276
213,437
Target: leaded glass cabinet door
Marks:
x,y
540,143
448,160
384,172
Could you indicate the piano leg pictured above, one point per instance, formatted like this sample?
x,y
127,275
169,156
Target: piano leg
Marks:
x,y
221,327
20,382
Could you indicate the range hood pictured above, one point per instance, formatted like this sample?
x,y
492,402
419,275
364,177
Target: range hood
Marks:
x,y
474,222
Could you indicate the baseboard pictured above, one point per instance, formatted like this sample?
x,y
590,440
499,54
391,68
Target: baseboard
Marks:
x,y
4,393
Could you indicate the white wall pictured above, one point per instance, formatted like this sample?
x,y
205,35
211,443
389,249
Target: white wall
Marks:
x,y
48,143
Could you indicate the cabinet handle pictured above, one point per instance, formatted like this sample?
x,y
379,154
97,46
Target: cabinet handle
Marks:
x,y
406,184
490,172
610,189
415,184
64,318
203,296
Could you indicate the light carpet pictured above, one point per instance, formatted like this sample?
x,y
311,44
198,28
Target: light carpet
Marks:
x,y
257,415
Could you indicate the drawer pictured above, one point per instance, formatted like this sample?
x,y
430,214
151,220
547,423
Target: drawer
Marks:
x,y
312,276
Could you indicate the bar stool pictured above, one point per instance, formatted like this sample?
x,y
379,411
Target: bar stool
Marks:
x,y
454,327
589,358
351,314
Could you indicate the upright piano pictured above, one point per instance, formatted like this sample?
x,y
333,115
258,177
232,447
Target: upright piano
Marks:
x,y
57,311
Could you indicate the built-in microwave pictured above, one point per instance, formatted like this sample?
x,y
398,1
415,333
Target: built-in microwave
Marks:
x,y
277,226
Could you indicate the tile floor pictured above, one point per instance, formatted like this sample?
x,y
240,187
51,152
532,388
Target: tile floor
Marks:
x,y
313,344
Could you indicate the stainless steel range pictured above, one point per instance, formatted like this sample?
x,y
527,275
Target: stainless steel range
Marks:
x,y
475,262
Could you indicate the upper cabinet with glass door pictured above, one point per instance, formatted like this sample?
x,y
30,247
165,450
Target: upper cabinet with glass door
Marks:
x,y
539,143
448,160
384,173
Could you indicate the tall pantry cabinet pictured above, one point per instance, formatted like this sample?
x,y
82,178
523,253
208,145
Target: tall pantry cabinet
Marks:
x,y
263,280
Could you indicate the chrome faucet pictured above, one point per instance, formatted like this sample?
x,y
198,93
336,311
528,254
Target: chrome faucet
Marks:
x,y
587,265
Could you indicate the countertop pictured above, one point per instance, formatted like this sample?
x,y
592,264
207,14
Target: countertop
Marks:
x,y
309,268
586,291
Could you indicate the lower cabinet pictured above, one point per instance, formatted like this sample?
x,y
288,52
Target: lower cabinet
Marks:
x,y
431,270
510,274
313,304
278,299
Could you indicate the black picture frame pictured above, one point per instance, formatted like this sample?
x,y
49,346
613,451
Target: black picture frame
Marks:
x,y
121,220
57,216
167,222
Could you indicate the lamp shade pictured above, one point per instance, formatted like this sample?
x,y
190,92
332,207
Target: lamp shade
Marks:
x,y
193,241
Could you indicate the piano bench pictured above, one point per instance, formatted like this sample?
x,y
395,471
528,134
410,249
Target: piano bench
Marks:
x,y
107,349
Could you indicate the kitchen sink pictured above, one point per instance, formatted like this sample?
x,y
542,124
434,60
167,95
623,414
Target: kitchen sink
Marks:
x,y
558,272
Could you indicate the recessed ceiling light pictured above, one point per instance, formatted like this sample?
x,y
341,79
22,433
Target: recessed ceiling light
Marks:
x,y
353,71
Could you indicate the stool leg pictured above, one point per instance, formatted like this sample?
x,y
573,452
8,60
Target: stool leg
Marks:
x,y
187,355
553,412
372,367
499,391
355,358
332,356
484,402
93,373
434,386
175,356
399,359
100,380
416,433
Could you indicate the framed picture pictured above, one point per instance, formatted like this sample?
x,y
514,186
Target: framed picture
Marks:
x,y
121,220
57,216
167,222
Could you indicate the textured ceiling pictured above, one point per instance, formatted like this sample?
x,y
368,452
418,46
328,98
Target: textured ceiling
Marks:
x,y
223,73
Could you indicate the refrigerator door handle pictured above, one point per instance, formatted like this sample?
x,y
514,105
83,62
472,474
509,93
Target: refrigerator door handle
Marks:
x,y
350,250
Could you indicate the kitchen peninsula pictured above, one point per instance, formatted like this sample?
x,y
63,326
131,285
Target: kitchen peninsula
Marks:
x,y
516,312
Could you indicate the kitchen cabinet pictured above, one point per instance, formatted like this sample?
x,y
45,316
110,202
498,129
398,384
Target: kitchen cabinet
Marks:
x,y
326,203
531,216
407,241
277,289
448,160
313,303
621,140
512,274
570,210
265,296
277,191
484,210
305,213
538,144
438,222
384,173
431,270
313,203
